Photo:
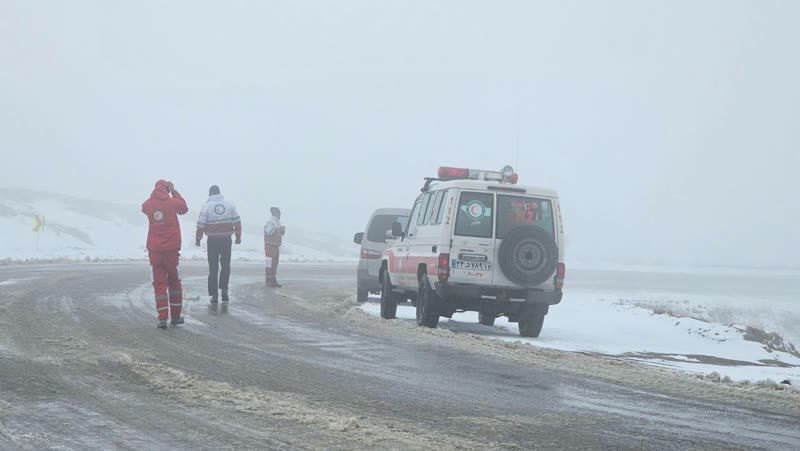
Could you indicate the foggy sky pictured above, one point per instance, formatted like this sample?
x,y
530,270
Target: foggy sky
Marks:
x,y
671,129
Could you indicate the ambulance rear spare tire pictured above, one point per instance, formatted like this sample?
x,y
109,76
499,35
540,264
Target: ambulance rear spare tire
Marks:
x,y
528,255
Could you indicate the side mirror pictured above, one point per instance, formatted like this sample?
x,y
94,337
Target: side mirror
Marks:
x,y
397,229
358,238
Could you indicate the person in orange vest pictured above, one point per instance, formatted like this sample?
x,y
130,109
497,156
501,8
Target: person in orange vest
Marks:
x,y
163,248
273,237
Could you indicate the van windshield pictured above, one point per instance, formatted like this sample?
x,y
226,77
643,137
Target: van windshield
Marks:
x,y
514,211
381,224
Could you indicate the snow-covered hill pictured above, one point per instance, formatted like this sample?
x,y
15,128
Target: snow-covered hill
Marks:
x,y
82,229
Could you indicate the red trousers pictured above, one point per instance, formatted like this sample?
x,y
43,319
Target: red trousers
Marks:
x,y
273,254
165,276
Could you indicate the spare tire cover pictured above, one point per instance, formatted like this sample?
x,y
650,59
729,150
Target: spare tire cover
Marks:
x,y
528,255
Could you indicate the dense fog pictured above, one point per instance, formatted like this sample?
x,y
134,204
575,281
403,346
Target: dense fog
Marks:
x,y
671,129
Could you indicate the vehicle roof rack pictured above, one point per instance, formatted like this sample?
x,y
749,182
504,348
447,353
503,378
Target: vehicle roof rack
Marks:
x,y
428,181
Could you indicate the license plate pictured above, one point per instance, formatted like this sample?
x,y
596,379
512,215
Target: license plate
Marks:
x,y
472,257
478,266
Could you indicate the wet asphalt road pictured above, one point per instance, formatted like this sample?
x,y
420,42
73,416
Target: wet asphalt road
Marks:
x,y
83,367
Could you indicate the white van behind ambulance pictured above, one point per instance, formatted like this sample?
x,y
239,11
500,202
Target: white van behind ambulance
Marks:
x,y
477,241
373,241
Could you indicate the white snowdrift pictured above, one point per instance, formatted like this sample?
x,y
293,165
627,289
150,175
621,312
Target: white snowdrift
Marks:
x,y
81,229
589,323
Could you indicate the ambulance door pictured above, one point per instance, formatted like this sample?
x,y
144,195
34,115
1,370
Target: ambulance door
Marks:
x,y
472,252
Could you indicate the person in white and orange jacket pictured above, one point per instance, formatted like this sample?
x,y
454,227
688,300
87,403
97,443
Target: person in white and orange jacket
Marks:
x,y
218,220
273,237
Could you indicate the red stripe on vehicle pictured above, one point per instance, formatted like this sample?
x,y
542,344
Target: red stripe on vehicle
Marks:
x,y
412,263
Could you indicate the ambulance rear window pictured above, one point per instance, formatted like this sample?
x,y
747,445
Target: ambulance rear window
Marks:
x,y
475,215
514,211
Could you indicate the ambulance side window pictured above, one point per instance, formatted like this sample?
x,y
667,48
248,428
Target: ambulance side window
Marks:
x,y
422,219
411,230
438,207
434,209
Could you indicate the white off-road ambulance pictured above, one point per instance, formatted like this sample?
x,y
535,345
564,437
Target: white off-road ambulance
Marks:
x,y
477,241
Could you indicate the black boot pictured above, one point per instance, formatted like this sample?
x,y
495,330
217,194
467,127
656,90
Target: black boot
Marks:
x,y
177,321
162,324
214,299
225,297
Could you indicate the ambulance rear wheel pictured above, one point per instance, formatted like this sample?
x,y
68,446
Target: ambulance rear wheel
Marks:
x,y
531,320
487,319
361,294
388,299
427,300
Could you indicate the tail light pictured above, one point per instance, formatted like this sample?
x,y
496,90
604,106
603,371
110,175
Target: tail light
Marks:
x,y
443,268
370,254
561,271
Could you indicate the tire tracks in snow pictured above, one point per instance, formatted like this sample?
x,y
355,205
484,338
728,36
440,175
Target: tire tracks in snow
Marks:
x,y
336,421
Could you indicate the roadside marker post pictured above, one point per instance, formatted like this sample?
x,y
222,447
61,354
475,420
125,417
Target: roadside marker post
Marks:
x,y
38,227
38,223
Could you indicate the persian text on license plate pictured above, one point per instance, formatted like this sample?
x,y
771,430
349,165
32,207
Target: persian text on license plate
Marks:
x,y
479,266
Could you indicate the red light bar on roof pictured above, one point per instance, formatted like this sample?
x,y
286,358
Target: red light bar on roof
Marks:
x,y
446,173
507,175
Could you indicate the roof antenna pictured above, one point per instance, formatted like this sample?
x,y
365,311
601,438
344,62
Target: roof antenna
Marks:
x,y
516,143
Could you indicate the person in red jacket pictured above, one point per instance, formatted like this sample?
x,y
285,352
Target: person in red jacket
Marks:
x,y
163,247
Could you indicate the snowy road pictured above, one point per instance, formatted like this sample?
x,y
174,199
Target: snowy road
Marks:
x,y
83,367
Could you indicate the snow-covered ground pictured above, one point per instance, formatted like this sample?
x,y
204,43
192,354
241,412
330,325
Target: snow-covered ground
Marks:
x,y
745,338
80,229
